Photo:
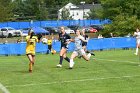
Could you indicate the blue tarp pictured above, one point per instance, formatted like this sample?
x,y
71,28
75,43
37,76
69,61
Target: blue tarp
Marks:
x,y
93,44
54,23
39,30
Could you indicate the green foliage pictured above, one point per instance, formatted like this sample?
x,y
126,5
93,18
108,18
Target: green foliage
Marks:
x,y
65,14
33,9
124,15
21,10
121,26
96,13
5,10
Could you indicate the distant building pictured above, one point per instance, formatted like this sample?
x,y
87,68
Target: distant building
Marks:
x,y
77,12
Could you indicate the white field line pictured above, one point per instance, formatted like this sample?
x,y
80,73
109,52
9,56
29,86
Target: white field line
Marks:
x,y
71,81
4,89
117,60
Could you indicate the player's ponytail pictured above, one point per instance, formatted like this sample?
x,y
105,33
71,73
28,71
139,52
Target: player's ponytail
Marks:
x,y
32,34
39,36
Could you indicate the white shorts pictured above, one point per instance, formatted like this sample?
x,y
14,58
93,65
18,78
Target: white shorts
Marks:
x,y
79,52
138,41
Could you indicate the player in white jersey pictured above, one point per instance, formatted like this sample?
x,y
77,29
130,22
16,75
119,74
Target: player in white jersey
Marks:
x,y
137,34
79,51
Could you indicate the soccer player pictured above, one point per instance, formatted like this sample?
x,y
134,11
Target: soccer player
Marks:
x,y
31,40
79,51
65,40
84,44
137,34
49,44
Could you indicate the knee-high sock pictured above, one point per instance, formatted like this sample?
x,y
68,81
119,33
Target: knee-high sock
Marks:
x,y
137,50
61,59
71,60
89,55
67,59
30,66
71,63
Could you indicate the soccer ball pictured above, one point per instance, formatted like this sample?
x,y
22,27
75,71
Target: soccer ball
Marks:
x,y
53,52
44,40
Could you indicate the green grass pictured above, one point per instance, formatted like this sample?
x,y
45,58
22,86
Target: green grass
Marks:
x,y
115,71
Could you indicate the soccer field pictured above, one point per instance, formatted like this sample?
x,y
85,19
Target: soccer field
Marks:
x,y
112,71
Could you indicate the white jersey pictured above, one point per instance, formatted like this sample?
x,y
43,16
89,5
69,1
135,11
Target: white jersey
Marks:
x,y
78,46
137,34
78,43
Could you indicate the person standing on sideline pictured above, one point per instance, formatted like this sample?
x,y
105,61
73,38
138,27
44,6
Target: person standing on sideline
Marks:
x,y
31,40
65,40
79,51
49,42
100,36
137,35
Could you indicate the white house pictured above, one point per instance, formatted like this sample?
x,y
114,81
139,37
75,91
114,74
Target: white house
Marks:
x,y
77,11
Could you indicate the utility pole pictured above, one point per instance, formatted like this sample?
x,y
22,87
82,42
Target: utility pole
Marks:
x,y
83,3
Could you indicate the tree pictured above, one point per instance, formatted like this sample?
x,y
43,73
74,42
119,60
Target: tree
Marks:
x,y
31,9
5,10
124,14
34,9
65,14
96,13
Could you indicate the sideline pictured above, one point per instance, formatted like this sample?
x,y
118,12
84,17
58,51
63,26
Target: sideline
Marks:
x,y
4,89
116,60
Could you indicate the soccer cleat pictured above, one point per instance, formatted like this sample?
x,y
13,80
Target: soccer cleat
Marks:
x,y
30,71
136,54
59,65
92,54
71,65
87,51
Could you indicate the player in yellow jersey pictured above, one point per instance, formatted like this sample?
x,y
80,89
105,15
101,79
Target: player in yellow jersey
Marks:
x,y
49,43
31,40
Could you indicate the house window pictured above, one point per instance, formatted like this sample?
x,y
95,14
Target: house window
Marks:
x,y
73,14
84,13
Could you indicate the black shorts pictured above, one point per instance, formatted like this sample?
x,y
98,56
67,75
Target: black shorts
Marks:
x,y
84,44
64,46
49,47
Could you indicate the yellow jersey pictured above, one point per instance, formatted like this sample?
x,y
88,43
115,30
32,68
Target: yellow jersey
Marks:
x,y
49,42
31,43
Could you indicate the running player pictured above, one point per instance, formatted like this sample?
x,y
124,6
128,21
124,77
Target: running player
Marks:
x,y
31,40
86,37
65,40
137,34
84,44
79,51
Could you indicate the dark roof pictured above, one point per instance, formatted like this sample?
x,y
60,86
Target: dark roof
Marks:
x,y
87,6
